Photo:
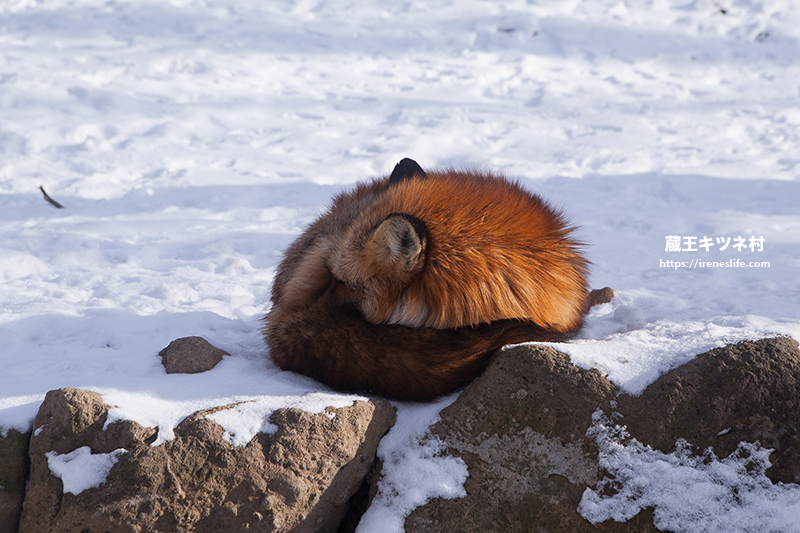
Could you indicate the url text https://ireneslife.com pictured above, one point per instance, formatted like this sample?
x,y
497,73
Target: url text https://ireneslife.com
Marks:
x,y
678,243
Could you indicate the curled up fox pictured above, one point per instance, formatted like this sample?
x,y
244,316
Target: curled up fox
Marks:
x,y
407,284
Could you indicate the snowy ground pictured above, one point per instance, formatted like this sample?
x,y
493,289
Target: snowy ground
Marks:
x,y
191,141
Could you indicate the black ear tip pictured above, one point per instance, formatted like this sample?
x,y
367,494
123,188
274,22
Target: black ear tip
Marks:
x,y
408,161
405,169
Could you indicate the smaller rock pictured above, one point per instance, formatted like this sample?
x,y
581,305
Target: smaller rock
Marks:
x,y
600,296
190,355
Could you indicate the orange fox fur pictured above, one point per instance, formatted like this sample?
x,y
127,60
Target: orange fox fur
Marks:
x,y
408,283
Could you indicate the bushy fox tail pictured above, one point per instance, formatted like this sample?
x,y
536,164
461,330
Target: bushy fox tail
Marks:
x,y
351,354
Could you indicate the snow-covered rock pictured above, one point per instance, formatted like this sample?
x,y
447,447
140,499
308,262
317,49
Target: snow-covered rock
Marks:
x,y
521,429
546,448
300,478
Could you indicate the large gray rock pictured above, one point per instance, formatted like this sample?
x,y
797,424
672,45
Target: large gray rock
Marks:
x,y
298,479
521,429
13,471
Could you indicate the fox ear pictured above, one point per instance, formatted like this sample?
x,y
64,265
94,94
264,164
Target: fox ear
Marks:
x,y
404,170
399,242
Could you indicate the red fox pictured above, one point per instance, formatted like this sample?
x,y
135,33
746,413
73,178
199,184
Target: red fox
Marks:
x,y
407,284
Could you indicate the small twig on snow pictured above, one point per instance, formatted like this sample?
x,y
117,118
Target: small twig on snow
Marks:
x,y
47,197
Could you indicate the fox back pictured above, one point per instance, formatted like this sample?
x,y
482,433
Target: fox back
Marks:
x,y
408,283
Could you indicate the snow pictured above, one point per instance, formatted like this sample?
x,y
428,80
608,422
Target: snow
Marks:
x,y
81,469
415,468
689,493
190,142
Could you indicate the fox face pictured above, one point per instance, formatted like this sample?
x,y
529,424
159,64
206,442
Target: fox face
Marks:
x,y
402,265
